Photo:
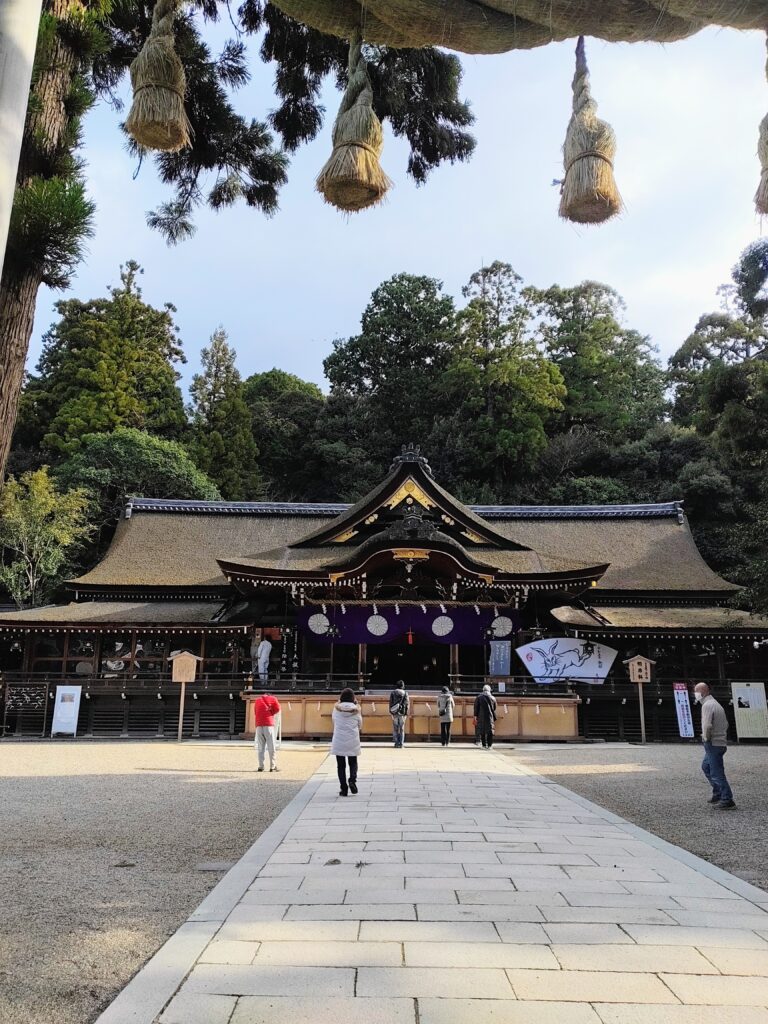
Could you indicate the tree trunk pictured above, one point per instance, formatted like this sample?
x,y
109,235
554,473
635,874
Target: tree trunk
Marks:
x,y
46,121
17,317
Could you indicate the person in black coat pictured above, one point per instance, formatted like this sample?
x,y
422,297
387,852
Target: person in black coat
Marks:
x,y
485,715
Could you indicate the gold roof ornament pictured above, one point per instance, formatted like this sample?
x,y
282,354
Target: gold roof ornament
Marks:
x,y
410,489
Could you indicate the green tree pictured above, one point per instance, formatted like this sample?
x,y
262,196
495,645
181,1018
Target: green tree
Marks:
x,y
222,442
108,362
730,337
614,383
396,363
127,462
284,412
501,390
41,529
85,49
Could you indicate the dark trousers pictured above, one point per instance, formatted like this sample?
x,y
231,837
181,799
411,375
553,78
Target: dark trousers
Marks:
x,y
341,768
714,769
486,735
445,733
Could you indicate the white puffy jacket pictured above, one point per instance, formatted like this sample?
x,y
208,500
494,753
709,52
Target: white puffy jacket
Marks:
x,y
347,723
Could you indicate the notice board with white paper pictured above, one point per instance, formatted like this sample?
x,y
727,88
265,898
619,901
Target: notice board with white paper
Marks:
x,y
66,710
750,710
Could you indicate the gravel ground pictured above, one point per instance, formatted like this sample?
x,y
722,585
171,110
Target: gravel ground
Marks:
x,y
661,788
99,852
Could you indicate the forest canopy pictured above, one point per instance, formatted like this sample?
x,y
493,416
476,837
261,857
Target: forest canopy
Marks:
x,y
518,394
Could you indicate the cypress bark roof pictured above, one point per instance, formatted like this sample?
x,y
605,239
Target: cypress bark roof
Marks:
x,y
173,544
194,614
603,618
164,544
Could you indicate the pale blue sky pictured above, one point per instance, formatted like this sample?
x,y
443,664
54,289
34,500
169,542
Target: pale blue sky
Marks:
x,y
686,116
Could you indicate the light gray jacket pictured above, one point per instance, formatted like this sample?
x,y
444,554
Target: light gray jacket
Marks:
x,y
445,706
714,722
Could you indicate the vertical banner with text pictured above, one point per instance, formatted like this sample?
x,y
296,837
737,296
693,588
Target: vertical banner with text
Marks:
x,y
683,708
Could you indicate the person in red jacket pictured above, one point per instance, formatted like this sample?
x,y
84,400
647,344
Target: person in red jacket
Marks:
x,y
265,708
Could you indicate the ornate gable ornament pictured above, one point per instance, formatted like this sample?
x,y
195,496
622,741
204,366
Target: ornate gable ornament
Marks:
x,y
410,453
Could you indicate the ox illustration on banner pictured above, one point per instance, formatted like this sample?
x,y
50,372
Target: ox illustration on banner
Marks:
x,y
559,658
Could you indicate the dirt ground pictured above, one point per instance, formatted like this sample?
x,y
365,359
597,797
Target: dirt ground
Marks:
x,y
661,788
100,848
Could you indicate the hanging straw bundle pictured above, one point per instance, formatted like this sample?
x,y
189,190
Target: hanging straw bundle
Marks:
x,y
761,196
352,179
589,193
157,118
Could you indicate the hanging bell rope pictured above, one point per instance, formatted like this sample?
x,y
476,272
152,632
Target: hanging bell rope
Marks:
x,y
352,179
589,193
157,119
761,196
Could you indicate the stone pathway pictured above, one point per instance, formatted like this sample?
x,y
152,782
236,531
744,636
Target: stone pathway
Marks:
x,y
459,887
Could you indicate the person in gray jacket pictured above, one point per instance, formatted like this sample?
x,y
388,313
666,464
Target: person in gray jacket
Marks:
x,y
445,707
714,736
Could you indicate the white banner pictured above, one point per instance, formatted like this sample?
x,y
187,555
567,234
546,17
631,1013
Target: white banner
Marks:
x,y
66,710
683,708
750,710
561,658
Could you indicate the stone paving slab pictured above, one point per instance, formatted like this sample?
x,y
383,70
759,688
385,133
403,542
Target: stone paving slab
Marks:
x,y
460,886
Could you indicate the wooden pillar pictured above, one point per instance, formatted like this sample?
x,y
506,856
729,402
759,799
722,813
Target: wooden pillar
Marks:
x,y
453,671
91,715
126,717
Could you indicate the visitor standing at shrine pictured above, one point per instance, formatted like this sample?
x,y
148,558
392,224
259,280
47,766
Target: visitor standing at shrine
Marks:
x,y
399,704
714,736
485,715
263,654
265,708
445,707
345,744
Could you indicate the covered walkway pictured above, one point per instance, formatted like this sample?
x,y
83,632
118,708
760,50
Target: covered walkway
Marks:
x,y
459,886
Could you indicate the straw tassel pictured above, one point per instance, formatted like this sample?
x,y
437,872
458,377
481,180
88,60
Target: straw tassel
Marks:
x,y
761,196
589,194
352,179
157,118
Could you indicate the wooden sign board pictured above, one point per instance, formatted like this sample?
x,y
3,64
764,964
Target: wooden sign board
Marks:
x,y
184,666
640,669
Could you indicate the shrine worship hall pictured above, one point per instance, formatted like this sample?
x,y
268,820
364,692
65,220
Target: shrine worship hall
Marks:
x,y
547,604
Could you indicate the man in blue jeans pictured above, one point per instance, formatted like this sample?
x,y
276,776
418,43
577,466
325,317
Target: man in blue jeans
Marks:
x,y
714,735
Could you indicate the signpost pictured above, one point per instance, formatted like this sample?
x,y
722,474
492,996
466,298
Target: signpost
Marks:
x,y
184,671
640,670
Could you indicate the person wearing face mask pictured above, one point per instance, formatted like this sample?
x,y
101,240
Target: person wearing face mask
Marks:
x,y
714,735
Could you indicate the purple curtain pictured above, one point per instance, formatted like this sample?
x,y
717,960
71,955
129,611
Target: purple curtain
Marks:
x,y
385,623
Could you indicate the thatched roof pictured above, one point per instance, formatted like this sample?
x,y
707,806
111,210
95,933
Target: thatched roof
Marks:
x,y
98,615
605,618
167,544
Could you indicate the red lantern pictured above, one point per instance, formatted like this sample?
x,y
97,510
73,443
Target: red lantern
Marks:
x,y
409,634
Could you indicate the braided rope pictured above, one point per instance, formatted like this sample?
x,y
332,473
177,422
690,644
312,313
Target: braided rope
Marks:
x,y
494,26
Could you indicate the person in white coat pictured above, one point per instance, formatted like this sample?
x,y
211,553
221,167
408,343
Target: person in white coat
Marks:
x,y
347,722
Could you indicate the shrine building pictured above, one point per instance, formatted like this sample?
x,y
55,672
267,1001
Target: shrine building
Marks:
x,y
407,584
